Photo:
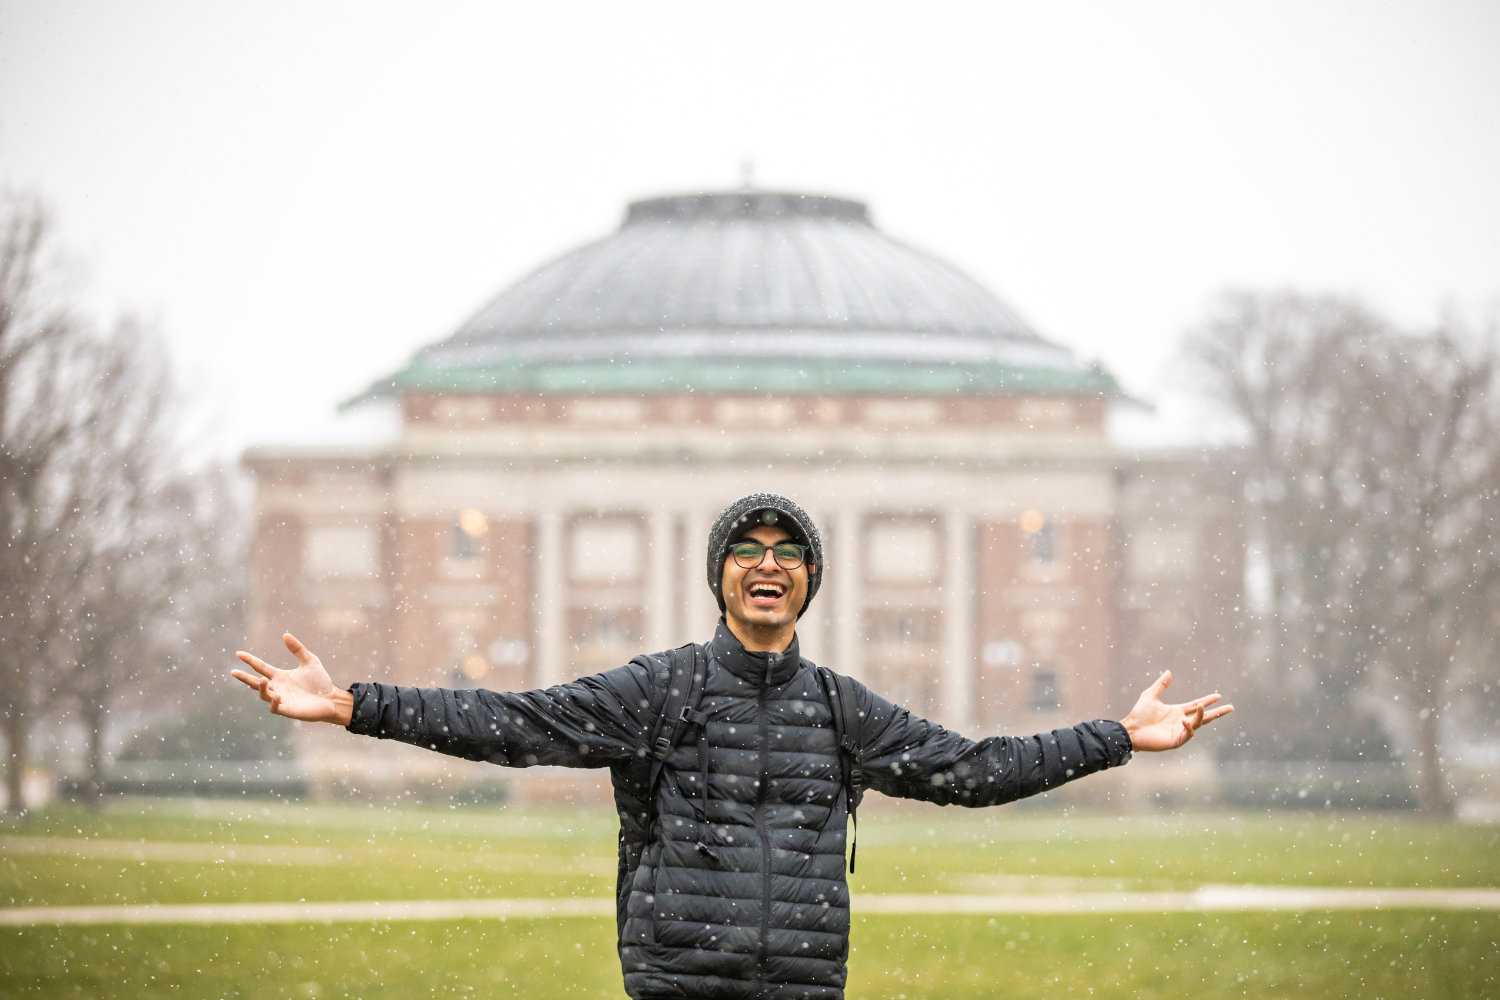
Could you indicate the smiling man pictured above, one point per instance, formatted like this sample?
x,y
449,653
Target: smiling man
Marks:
x,y
736,765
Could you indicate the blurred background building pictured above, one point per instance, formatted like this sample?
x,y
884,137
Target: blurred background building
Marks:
x,y
540,508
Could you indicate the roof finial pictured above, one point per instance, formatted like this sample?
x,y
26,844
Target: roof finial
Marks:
x,y
747,173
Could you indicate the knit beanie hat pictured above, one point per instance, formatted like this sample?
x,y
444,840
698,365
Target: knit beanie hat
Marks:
x,y
750,512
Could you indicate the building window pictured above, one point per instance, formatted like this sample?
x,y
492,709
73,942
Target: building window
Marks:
x,y
509,651
1001,653
608,628
903,628
1161,554
471,527
1043,545
902,552
341,552
463,545
606,550
1044,691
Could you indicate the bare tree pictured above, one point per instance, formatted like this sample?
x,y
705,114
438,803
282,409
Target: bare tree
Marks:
x,y
41,416
1376,467
114,555
157,558
1431,481
165,574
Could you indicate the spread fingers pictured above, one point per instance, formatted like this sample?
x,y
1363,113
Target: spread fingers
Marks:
x,y
261,666
249,680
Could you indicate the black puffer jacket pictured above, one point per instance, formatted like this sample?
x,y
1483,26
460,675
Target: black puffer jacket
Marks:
x,y
742,895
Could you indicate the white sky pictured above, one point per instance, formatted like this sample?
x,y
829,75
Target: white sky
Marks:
x,y
303,194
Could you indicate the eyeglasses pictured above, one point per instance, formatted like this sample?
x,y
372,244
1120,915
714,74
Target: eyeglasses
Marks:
x,y
788,555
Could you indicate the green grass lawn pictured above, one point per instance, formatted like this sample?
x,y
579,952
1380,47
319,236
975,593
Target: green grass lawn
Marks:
x,y
317,852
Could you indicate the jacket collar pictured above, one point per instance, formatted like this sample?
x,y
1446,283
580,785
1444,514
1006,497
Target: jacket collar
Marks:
x,y
751,667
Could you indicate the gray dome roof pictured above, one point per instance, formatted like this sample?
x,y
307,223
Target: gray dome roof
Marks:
x,y
735,284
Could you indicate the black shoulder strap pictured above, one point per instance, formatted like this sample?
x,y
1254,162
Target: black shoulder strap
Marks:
x,y
682,689
848,727
678,711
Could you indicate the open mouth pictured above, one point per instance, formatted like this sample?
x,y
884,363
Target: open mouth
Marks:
x,y
764,593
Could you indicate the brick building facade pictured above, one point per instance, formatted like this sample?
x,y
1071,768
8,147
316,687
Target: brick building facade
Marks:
x,y
995,561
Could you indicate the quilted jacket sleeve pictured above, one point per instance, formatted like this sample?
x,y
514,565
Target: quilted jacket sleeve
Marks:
x,y
591,722
908,757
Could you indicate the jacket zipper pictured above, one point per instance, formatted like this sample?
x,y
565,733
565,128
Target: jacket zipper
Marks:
x,y
760,818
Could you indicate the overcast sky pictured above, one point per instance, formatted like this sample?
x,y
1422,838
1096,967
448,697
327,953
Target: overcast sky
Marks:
x,y
301,195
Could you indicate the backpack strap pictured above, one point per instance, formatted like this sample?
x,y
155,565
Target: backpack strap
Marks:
x,y
848,728
679,710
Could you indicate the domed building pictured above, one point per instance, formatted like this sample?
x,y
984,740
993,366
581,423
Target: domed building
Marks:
x,y
747,293
994,561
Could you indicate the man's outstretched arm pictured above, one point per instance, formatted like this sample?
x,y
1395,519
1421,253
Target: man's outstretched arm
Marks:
x,y
591,722
910,757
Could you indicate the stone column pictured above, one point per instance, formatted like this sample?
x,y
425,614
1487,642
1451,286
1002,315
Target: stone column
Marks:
x,y
846,574
957,693
811,634
700,610
660,571
551,600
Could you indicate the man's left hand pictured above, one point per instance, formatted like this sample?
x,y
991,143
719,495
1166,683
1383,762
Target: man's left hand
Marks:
x,y
1153,725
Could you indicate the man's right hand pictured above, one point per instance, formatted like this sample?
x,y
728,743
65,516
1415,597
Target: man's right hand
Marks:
x,y
306,693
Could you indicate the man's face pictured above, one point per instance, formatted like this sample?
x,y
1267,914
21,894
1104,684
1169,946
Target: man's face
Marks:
x,y
765,595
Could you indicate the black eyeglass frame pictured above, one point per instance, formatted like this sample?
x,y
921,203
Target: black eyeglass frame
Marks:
x,y
802,551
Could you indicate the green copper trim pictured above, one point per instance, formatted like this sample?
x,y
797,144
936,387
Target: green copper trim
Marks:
x,y
686,374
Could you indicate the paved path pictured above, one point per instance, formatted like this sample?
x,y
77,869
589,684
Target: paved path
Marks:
x,y
1207,899
290,855
308,913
